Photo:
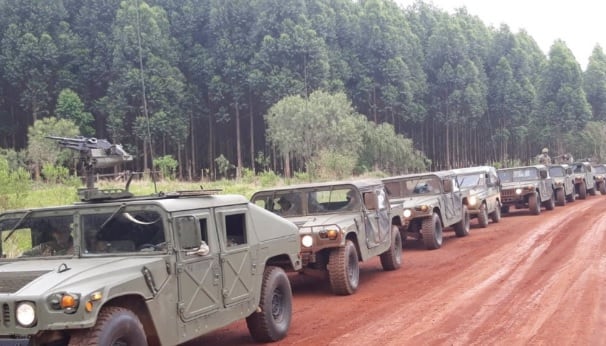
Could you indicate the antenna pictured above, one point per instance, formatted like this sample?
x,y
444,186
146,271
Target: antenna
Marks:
x,y
151,153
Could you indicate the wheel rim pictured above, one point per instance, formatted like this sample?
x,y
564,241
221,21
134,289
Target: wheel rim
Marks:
x,y
277,309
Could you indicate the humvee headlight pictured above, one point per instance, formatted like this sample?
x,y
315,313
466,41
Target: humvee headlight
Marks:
x,y
518,191
407,213
67,302
307,241
332,234
472,201
424,208
26,314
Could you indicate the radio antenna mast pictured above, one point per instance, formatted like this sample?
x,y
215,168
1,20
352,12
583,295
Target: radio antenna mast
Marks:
x,y
145,112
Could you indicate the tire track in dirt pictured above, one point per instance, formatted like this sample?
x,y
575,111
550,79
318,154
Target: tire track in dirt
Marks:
x,y
516,288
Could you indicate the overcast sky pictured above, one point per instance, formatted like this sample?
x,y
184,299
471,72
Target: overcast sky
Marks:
x,y
579,23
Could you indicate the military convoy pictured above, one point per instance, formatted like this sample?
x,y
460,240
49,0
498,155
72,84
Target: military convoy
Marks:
x,y
526,187
340,224
97,272
431,202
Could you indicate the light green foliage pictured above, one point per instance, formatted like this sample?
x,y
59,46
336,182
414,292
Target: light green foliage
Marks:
x,y
15,184
55,174
167,166
69,106
268,178
590,142
330,164
223,165
41,150
594,83
303,127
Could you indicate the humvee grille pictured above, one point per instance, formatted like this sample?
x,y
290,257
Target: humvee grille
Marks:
x,y
508,193
6,315
12,282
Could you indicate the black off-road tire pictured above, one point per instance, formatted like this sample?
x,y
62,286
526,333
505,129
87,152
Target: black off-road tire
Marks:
x,y
572,197
344,269
392,258
533,204
273,321
461,228
602,187
560,197
592,191
115,326
504,209
495,216
431,230
582,190
550,204
483,216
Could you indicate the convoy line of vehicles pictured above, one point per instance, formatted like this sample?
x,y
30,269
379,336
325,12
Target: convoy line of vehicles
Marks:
x,y
206,260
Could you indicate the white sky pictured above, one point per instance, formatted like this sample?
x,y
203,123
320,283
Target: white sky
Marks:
x,y
581,24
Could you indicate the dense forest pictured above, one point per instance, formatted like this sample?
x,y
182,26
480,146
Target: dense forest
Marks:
x,y
195,80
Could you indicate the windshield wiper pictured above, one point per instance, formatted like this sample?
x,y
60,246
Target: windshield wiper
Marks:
x,y
10,233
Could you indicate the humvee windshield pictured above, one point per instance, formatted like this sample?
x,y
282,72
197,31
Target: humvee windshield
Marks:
x,y
580,168
520,174
557,171
429,185
98,231
310,201
600,169
471,180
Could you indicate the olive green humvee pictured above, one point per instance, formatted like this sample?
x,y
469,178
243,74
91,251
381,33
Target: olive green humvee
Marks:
x,y
156,270
431,202
599,176
481,191
526,187
340,225
563,183
584,180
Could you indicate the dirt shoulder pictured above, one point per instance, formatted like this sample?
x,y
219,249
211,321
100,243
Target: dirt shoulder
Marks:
x,y
526,280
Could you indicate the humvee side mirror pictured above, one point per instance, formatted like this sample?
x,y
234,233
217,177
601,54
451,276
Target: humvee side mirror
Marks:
x,y
370,201
447,185
187,232
543,174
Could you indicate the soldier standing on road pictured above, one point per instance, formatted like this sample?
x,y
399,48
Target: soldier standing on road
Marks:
x,y
544,158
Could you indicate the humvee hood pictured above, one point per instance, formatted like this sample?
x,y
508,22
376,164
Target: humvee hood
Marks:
x,y
37,276
344,220
517,184
411,202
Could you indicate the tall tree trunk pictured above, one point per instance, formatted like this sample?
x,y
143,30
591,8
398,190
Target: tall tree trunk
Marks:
x,y
192,166
238,143
252,134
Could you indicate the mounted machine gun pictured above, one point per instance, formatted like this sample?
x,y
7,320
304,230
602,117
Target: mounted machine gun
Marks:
x,y
97,153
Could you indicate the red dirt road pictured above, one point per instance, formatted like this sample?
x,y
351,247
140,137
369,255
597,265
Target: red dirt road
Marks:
x,y
537,280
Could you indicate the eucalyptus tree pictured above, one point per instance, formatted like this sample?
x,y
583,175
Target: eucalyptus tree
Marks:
x,y
389,82
562,104
144,97
594,83
69,106
232,50
301,128
29,59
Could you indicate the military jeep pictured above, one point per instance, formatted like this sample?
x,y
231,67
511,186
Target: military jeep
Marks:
x,y
562,183
155,270
526,187
431,202
340,224
481,192
584,181
599,176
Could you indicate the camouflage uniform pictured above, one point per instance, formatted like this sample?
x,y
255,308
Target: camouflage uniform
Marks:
x,y
544,158
51,248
